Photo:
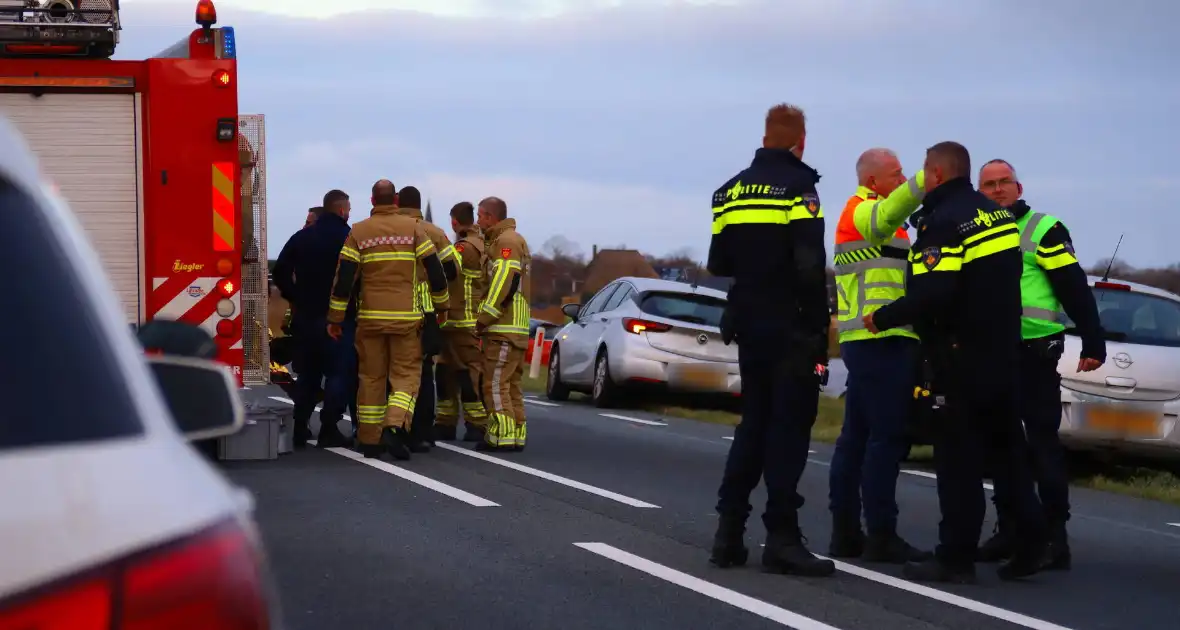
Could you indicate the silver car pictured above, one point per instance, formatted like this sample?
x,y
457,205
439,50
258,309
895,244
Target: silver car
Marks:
x,y
1132,403
642,332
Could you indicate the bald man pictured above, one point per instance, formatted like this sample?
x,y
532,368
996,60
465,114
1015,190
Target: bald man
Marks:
x,y
871,254
963,299
1053,285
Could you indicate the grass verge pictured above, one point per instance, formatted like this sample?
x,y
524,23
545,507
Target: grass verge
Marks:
x,y
1086,472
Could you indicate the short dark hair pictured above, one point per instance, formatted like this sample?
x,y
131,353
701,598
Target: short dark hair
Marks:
x,y
953,156
318,210
409,197
384,193
463,212
334,198
496,207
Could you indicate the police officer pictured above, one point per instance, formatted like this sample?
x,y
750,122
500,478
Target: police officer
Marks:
x,y
312,215
303,274
768,235
460,369
382,255
503,323
871,252
963,300
409,203
1053,281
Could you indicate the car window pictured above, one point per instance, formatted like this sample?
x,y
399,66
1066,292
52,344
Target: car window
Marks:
x,y
59,379
684,307
618,297
1138,318
595,304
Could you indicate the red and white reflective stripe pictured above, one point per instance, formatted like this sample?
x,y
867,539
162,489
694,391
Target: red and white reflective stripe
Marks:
x,y
195,301
386,240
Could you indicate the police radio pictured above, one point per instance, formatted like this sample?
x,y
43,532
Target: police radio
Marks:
x,y
821,371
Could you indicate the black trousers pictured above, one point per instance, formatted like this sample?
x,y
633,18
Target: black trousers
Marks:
x,y
780,399
422,424
1039,407
979,423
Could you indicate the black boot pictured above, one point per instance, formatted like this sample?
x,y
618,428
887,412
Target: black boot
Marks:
x,y
998,547
300,434
1057,555
396,443
786,553
887,547
729,547
330,437
935,570
1026,560
472,433
445,432
848,539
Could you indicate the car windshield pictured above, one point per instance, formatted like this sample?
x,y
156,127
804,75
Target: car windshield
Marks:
x,y
684,307
1138,318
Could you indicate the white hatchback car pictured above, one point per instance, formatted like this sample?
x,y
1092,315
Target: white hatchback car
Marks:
x,y
643,332
110,518
1132,403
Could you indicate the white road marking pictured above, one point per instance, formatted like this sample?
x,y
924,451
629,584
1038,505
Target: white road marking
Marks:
x,y
543,403
708,589
930,475
413,477
650,423
1174,524
577,485
317,407
947,598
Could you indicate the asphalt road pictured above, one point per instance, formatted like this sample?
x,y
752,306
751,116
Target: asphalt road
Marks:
x,y
605,522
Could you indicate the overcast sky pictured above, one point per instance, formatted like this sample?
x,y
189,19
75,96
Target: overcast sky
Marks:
x,y
611,122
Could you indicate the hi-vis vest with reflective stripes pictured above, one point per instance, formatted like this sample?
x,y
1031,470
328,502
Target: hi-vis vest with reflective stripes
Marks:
x,y
1042,315
871,257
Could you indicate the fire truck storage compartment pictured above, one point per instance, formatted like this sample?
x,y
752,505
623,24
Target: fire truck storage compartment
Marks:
x,y
86,145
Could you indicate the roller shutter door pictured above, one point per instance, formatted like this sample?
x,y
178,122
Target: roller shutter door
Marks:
x,y
86,145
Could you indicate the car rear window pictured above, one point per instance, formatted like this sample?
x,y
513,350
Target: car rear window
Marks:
x,y
684,307
58,377
1138,318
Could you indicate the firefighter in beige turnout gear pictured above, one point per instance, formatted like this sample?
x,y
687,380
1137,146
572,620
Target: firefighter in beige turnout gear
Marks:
x,y
503,322
409,202
385,255
461,364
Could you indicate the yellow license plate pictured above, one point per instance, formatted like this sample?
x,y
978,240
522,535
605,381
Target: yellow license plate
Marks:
x,y
1130,423
702,377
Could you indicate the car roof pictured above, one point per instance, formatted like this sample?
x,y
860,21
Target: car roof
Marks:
x,y
672,286
1137,287
17,163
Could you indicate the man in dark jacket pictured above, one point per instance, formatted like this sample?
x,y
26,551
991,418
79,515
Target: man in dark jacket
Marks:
x,y
963,300
304,273
768,235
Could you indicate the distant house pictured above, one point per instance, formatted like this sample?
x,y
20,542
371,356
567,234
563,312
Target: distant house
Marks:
x,y
609,265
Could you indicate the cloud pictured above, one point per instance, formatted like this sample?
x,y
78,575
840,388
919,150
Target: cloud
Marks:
x,y
648,106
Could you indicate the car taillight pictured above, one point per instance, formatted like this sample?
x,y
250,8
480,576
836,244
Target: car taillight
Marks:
x,y
211,580
1114,286
637,326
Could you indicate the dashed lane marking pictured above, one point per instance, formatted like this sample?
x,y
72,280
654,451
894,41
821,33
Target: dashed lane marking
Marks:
x,y
413,477
650,423
758,607
731,439
543,403
565,481
1174,524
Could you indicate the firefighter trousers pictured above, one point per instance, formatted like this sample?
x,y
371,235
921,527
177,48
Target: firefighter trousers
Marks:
x,y
386,359
503,368
458,376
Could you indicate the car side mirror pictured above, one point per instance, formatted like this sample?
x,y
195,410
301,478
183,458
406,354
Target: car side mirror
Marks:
x,y
202,396
571,310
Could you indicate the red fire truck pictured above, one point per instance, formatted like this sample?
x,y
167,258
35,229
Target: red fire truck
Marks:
x,y
165,176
